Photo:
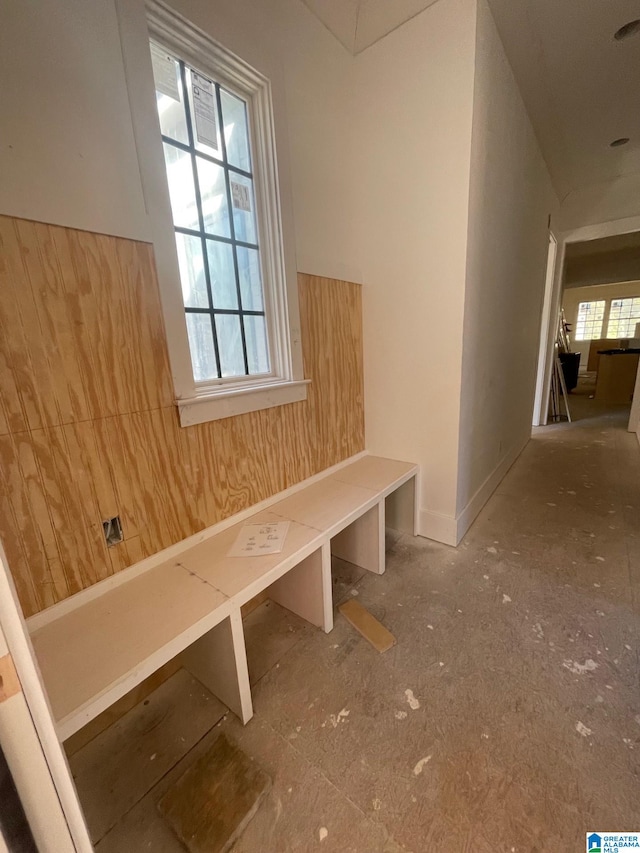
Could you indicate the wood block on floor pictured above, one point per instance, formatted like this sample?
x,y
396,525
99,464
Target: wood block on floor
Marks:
x,y
367,625
210,805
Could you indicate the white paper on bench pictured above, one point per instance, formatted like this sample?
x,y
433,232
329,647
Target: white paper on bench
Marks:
x,y
256,540
241,578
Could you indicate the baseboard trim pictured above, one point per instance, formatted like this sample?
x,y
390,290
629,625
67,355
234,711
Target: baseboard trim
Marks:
x,y
434,525
468,515
449,529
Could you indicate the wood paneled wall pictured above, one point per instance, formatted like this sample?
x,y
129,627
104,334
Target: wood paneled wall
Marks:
x,y
88,429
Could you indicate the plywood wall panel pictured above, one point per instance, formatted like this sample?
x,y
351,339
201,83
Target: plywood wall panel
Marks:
x,y
331,317
137,266
9,398
88,429
21,533
301,437
19,378
58,376
31,572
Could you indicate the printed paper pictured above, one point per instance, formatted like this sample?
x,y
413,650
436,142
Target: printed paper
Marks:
x,y
254,540
164,72
241,196
204,110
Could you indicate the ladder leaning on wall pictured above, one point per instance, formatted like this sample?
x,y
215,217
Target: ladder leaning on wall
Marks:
x,y
558,384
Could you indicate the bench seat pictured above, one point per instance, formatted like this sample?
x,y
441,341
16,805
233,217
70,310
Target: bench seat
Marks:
x,y
90,656
99,644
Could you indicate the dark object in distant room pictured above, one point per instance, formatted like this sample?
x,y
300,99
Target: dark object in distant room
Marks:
x,y
570,363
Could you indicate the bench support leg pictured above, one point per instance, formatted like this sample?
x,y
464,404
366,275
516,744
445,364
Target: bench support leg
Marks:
x,y
306,589
219,661
362,542
401,508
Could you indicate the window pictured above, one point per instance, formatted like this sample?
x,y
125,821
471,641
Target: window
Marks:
x,y
207,152
224,251
623,317
590,319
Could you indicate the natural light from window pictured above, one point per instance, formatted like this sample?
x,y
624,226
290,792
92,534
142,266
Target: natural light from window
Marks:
x,y
624,315
207,151
590,319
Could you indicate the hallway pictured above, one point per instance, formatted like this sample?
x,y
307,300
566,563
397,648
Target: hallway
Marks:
x,y
507,717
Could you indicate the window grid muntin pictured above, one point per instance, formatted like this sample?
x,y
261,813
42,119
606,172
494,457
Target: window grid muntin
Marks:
x,y
188,150
232,228
204,235
623,312
196,182
180,229
590,320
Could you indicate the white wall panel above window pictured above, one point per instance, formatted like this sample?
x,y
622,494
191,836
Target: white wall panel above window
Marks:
x,y
67,155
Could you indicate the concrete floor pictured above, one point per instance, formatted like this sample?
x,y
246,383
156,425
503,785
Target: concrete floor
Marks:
x,y
506,718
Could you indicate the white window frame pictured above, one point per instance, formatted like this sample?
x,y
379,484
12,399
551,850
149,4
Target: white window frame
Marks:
x,y
609,308
602,323
199,402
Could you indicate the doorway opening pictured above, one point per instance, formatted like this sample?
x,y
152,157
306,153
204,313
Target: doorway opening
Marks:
x,y
591,321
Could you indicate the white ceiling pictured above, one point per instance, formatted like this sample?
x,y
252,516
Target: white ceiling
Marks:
x,y
360,23
580,86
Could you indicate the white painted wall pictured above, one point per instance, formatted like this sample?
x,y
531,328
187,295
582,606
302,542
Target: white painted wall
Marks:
x,y
511,198
412,120
67,154
319,81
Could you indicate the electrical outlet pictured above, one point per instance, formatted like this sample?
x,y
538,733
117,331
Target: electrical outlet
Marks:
x,y
112,528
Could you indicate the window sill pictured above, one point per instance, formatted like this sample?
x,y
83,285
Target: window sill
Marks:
x,y
238,401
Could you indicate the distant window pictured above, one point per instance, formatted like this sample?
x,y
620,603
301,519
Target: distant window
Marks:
x,y
623,317
590,319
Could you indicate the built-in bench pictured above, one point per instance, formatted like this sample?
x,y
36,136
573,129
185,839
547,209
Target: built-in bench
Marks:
x,y
96,646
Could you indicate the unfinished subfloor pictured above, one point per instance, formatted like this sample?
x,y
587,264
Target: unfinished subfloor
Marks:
x,y
506,718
